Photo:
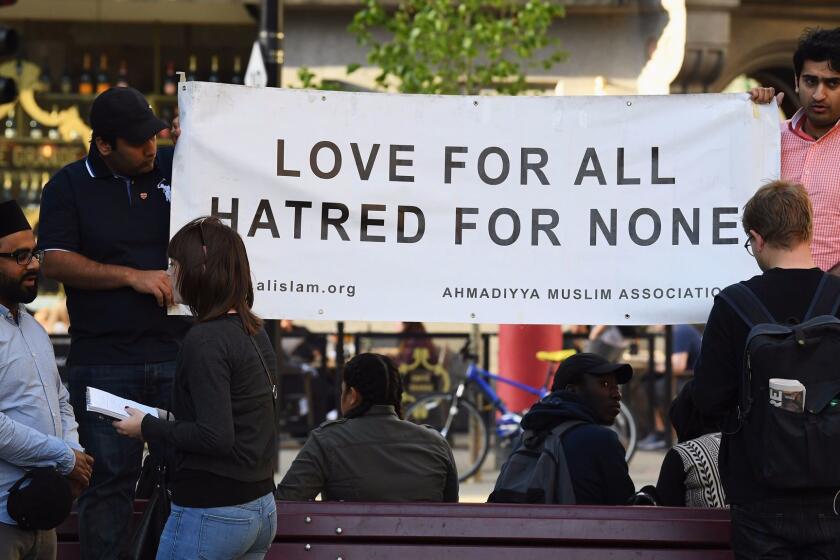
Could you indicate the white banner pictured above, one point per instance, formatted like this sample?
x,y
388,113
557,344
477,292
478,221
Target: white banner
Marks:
x,y
593,210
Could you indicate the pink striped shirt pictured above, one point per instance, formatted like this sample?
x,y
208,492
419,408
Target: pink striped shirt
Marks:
x,y
816,164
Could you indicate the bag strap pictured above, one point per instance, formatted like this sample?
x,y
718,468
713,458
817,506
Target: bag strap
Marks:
x,y
271,381
746,304
564,486
752,311
539,442
16,486
565,427
826,299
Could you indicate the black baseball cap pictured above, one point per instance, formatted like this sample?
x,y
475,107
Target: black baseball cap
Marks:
x,y
124,112
41,500
572,370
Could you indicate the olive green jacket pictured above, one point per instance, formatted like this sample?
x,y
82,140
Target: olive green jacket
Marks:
x,y
373,458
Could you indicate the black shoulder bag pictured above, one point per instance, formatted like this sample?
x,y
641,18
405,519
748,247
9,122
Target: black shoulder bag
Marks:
x,y
153,486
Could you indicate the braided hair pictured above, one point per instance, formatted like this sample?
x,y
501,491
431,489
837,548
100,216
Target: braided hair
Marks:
x,y
377,380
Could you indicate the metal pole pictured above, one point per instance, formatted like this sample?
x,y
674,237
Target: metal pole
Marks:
x,y
271,39
339,362
279,49
485,351
669,379
651,379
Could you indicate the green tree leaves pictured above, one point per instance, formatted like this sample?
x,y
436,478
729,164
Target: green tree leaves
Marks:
x,y
451,47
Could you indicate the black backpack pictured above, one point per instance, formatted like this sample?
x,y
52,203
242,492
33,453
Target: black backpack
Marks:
x,y
537,472
791,449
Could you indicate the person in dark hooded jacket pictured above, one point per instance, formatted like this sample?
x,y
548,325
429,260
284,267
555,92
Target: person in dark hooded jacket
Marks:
x,y
585,388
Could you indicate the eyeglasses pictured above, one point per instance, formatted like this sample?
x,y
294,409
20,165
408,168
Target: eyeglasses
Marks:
x,y
24,256
748,246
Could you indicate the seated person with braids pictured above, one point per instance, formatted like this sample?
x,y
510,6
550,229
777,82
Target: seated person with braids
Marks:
x,y
372,455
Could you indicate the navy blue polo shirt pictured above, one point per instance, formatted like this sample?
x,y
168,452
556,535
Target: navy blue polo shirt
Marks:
x,y
113,220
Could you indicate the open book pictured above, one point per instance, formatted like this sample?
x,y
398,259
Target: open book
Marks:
x,y
111,405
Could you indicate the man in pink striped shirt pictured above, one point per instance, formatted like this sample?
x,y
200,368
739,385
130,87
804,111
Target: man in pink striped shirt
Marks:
x,y
811,139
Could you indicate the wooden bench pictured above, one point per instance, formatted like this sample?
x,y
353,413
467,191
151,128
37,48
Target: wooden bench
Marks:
x,y
330,530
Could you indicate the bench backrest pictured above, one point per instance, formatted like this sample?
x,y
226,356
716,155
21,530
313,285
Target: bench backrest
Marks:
x,y
488,531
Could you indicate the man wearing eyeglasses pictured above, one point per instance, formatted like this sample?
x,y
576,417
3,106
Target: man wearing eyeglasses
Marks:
x,y
37,427
104,229
770,520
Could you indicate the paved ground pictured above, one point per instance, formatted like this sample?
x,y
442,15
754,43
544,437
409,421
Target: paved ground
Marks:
x,y
644,469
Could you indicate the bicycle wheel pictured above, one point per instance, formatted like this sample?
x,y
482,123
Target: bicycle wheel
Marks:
x,y
468,435
625,427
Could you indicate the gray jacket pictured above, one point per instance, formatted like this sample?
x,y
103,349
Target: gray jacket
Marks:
x,y
373,458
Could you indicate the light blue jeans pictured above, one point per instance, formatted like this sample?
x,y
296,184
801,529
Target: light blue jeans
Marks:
x,y
224,533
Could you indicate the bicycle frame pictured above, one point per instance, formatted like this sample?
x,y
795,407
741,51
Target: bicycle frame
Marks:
x,y
478,375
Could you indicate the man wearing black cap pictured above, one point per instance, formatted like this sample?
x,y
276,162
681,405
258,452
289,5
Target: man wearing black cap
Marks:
x,y
37,428
104,229
585,389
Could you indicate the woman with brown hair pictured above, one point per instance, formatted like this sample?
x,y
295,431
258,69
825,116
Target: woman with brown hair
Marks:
x,y
224,404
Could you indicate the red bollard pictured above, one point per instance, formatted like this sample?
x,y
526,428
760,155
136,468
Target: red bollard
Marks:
x,y
518,347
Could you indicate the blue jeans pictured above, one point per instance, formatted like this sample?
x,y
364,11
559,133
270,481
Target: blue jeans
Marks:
x,y
785,531
222,533
105,508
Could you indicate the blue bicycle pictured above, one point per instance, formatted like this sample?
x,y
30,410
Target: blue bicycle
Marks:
x,y
467,428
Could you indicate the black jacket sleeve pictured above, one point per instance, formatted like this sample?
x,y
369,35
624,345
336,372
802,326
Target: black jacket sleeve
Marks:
x,y
670,488
597,467
207,370
618,486
717,373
